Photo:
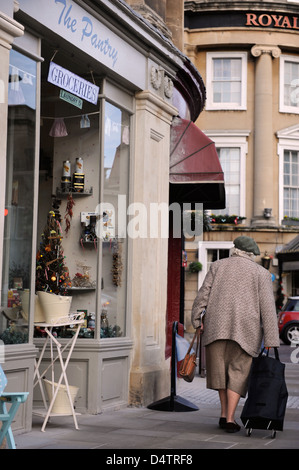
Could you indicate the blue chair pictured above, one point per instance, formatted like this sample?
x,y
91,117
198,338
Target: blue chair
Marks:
x,y
14,399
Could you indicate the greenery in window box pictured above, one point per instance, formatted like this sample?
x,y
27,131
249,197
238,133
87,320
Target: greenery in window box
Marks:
x,y
195,267
226,219
290,219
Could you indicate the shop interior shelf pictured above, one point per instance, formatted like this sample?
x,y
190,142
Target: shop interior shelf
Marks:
x,y
60,193
79,289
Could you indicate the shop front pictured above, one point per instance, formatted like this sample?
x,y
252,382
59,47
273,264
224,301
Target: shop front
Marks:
x,y
92,94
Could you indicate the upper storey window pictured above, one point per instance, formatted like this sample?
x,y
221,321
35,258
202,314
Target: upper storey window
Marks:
x,y
289,84
226,80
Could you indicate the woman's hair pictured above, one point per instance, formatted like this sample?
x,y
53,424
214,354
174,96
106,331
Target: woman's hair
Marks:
x,y
239,252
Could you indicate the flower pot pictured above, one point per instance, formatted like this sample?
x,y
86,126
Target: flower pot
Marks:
x,y
61,404
25,295
39,316
56,308
38,313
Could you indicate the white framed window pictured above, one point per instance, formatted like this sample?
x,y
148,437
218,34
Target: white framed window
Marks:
x,y
291,183
230,160
208,252
226,80
232,150
288,152
289,84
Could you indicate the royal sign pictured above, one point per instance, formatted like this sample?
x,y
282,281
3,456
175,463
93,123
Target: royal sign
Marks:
x,y
268,20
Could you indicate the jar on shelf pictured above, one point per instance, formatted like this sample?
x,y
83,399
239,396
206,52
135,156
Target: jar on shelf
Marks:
x,y
104,323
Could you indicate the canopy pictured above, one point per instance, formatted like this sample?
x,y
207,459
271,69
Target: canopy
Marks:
x,y
195,173
288,256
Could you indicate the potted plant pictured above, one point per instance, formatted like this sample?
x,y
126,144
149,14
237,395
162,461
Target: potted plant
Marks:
x,y
195,267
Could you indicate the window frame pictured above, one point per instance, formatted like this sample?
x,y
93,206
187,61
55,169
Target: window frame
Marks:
x,y
203,248
210,104
287,140
236,140
283,108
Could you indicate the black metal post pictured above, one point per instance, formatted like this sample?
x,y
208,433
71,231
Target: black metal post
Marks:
x,y
173,402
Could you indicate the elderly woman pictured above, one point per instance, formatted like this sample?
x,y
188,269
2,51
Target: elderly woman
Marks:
x,y
237,294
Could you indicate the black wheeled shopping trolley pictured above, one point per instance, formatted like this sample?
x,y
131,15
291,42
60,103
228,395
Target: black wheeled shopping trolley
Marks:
x,y
267,397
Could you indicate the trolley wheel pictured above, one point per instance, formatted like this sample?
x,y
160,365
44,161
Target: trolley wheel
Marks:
x,y
273,435
249,431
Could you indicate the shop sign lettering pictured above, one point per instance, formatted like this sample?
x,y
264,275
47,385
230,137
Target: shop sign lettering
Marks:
x,y
86,29
272,21
69,98
72,83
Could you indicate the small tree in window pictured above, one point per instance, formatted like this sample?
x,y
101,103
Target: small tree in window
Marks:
x,y
52,275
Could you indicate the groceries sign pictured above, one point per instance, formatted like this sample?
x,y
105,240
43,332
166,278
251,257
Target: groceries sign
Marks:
x,y
72,83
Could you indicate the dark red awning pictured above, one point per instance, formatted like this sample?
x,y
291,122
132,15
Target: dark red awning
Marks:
x,y
195,173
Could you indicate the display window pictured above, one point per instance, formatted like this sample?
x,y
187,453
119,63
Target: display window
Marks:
x,y
114,239
81,259
19,199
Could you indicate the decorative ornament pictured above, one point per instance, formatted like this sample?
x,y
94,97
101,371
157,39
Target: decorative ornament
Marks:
x,y
156,78
69,212
58,128
117,265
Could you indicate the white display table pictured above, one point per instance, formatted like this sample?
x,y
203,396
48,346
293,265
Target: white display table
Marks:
x,y
74,320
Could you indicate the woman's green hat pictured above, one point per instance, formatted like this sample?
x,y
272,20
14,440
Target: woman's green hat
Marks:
x,y
247,244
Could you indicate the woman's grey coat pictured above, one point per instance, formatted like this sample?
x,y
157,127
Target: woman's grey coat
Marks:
x,y
238,296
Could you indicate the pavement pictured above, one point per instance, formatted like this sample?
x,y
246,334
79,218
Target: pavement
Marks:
x,y
164,433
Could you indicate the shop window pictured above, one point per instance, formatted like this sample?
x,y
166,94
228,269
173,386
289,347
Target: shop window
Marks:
x,y
295,288
84,174
19,197
114,241
289,84
226,81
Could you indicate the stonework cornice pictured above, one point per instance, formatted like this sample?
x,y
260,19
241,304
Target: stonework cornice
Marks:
x,y
198,6
260,49
9,29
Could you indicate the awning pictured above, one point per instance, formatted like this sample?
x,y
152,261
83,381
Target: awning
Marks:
x,y
195,173
288,256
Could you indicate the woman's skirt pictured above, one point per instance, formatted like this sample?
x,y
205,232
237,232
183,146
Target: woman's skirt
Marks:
x,y
228,366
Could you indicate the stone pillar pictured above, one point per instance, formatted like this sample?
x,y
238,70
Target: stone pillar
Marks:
x,y
263,135
150,372
175,21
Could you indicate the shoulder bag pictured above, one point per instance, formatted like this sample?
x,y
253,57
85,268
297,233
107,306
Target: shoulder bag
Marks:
x,y
188,364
